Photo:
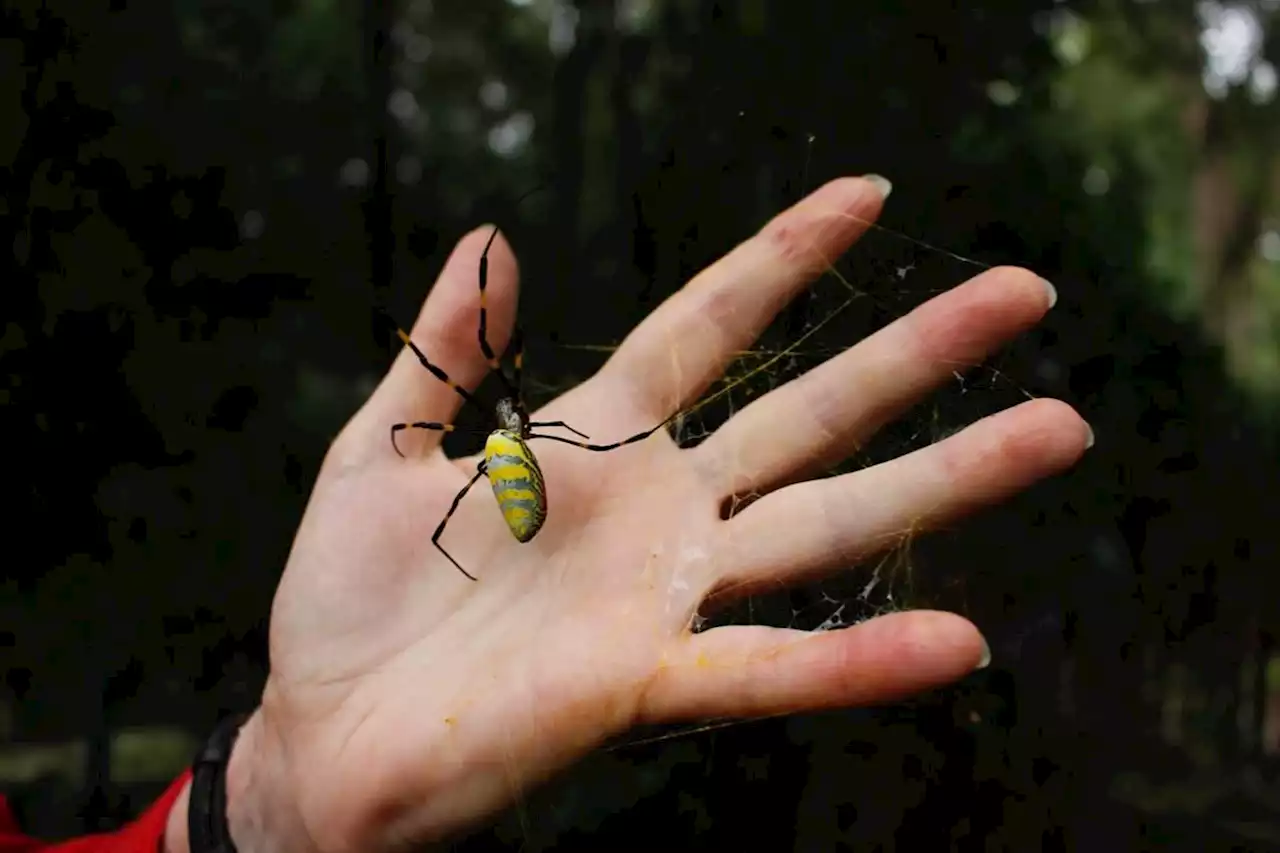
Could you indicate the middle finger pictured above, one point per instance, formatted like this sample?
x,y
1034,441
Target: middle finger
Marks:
x,y
820,418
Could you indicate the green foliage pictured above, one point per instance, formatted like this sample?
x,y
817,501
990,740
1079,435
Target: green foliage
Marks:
x,y
313,47
1130,98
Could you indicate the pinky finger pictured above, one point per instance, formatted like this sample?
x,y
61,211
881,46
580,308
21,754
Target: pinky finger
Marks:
x,y
748,671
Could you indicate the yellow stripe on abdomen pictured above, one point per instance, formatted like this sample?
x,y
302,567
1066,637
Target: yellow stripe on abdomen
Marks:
x,y
517,483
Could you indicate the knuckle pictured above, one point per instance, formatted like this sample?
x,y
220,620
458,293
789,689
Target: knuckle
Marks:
x,y
810,235
790,238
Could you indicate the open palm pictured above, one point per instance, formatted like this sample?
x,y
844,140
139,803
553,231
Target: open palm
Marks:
x,y
406,701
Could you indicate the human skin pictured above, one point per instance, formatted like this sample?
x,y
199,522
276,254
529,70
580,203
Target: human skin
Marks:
x,y
406,703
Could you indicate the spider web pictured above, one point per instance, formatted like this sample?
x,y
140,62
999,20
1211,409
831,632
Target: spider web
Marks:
x,y
884,275
880,279
747,157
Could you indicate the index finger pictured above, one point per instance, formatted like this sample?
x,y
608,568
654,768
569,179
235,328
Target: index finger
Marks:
x,y
672,357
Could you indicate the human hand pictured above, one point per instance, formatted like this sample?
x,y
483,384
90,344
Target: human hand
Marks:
x,y
406,702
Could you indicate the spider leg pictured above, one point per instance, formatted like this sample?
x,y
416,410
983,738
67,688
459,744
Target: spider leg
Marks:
x,y
438,373
537,424
640,436
435,537
431,425
517,337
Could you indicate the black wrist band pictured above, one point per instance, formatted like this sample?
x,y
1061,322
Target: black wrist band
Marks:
x,y
207,810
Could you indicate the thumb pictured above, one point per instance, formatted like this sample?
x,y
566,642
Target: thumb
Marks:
x,y
446,333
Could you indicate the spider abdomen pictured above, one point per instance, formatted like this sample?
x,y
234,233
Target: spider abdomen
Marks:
x,y
517,483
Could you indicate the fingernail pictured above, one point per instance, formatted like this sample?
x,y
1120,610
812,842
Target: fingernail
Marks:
x,y
1088,442
1052,291
985,660
881,183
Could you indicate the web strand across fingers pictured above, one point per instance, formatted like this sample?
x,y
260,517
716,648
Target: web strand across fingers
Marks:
x,y
962,380
806,242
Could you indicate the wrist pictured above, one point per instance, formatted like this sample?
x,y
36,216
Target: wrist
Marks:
x,y
255,820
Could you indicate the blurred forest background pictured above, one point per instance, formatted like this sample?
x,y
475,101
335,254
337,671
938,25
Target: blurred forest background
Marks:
x,y
206,207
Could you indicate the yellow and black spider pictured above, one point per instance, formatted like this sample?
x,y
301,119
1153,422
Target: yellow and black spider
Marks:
x,y
512,468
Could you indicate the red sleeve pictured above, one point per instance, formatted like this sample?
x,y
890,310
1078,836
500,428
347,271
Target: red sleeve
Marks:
x,y
144,835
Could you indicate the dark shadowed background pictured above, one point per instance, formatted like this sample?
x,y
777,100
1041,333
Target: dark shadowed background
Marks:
x,y
207,210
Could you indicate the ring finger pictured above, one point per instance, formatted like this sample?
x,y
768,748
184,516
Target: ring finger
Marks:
x,y
835,522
